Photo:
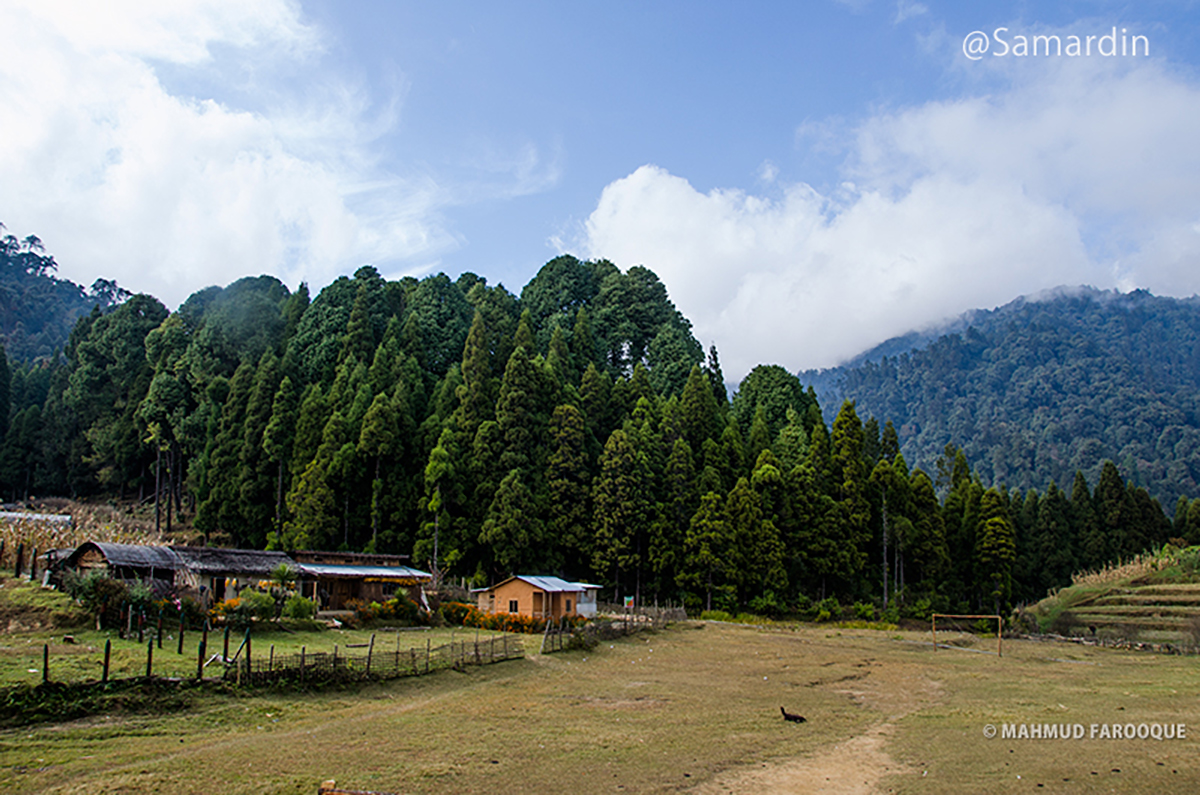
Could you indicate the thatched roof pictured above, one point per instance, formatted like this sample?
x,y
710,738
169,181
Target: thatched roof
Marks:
x,y
134,556
217,560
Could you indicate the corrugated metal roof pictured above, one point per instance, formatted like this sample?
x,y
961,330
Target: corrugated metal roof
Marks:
x,y
554,584
344,570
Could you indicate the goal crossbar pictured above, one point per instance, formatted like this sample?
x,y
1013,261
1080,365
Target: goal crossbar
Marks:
x,y
999,624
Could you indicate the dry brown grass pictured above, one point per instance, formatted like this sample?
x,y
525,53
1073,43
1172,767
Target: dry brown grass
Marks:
x,y
698,713
1137,566
89,522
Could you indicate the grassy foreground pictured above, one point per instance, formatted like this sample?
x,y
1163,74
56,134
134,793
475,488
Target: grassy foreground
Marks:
x,y
695,707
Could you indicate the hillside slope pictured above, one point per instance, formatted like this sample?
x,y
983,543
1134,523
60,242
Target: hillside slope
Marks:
x,y
1040,388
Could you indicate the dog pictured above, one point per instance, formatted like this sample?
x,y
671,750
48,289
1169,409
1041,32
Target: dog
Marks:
x,y
790,717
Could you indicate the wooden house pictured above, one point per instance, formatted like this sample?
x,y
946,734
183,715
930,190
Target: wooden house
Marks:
x,y
335,578
539,597
222,572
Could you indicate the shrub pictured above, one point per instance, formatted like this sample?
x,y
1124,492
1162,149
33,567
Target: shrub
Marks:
x,y
96,591
768,605
828,609
459,614
298,607
715,615
864,611
454,613
257,605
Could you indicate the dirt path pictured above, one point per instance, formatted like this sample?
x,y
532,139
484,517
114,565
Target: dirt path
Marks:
x,y
855,766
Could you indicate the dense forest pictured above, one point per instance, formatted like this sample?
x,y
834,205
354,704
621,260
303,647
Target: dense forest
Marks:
x,y
1039,389
578,429
38,309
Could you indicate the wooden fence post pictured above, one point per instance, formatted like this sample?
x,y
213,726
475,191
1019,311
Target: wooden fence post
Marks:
x,y
370,650
302,650
141,626
107,654
249,671
45,662
160,628
427,642
181,625
202,650
149,658
225,653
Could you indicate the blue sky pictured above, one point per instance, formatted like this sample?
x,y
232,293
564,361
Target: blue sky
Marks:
x,y
807,179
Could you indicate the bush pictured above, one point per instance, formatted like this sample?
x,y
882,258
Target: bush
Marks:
x,y
298,607
398,609
864,611
715,615
96,591
828,609
768,605
460,614
257,605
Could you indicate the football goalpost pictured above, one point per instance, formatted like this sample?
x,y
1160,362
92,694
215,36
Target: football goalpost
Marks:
x,y
999,624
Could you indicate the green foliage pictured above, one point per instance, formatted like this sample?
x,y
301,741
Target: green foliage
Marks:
x,y
300,608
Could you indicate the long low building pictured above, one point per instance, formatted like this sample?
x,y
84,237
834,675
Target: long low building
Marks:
x,y
215,573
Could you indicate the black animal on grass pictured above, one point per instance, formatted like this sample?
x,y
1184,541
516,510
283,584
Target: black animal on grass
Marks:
x,y
790,717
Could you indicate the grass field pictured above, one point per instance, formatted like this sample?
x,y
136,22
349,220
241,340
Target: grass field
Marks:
x,y
691,708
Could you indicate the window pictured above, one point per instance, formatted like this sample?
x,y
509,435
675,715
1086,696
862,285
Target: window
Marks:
x,y
512,606
568,605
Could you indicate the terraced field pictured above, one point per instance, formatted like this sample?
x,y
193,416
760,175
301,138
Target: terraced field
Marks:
x,y
1136,608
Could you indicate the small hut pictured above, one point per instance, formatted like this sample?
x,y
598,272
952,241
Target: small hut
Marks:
x,y
152,564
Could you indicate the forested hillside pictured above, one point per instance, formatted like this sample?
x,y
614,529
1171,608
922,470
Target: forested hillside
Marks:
x,y
38,309
1039,389
577,428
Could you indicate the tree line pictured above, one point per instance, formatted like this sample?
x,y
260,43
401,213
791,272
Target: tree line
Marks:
x,y
578,428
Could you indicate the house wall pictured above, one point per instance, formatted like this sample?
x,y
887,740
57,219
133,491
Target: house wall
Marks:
x,y
530,601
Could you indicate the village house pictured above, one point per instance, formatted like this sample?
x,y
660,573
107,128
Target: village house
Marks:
x,y
333,579
538,597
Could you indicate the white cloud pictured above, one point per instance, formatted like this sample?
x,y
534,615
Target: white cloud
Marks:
x,y
1077,173
168,193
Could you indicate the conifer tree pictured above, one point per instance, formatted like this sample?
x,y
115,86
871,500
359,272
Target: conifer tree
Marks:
x,y
514,530
567,482
621,508
278,440
706,548
995,548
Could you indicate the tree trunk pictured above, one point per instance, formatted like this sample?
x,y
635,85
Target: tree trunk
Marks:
x,y
157,490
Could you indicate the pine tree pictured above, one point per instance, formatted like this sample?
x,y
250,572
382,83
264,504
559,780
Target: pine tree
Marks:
x,y
760,435
757,553
621,507
378,441
567,482
706,548
278,440
514,529
995,548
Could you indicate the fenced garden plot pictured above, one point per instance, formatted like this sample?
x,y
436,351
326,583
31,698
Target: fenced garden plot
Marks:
x,y
612,621
375,663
